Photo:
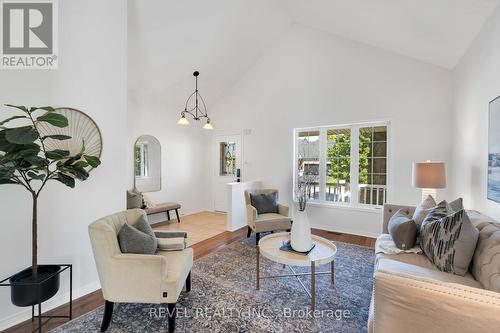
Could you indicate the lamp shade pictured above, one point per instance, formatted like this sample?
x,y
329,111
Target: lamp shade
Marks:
x,y
429,175
208,126
183,121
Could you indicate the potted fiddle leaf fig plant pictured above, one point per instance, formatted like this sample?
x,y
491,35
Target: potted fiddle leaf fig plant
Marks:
x,y
26,162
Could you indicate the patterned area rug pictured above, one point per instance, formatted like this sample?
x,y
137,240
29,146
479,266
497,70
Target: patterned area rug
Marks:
x,y
223,298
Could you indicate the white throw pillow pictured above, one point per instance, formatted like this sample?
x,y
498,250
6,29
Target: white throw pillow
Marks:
x,y
171,244
147,201
171,240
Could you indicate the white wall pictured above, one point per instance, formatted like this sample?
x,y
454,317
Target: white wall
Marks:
x,y
167,41
183,153
311,78
292,77
476,82
91,77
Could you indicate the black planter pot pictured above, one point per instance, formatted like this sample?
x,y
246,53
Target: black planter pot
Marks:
x,y
24,289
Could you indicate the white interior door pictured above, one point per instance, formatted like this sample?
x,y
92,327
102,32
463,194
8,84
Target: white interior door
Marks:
x,y
227,164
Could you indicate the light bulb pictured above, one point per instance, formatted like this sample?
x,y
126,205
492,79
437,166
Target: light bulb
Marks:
x,y
183,121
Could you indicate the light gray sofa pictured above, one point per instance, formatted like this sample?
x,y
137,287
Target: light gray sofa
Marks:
x,y
411,295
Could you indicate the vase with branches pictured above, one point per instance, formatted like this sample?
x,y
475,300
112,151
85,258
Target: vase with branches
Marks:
x,y
303,189
300,238
25,161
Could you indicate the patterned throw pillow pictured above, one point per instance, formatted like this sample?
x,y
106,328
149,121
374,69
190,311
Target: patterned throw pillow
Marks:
x,y
450,242
436,213
456,205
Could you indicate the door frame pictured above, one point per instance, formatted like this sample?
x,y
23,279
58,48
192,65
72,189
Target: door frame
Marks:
x,y
215,153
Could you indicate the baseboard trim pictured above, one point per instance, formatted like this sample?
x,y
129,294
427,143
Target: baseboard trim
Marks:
x,y
237,227
346,231
53,303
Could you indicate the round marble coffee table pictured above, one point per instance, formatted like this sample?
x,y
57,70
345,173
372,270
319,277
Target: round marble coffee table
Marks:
x,y
323,253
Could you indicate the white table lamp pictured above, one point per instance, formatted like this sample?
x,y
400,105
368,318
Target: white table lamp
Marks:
x,y
429,176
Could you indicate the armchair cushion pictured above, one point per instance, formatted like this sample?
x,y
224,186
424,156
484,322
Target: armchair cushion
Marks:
x,y
139,238
136,278
283,210
265,202
272,222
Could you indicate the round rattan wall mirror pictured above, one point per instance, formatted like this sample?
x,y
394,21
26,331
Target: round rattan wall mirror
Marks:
x,y
82,129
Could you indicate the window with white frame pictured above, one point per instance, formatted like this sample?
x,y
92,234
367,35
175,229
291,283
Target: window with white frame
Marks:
x,y
344,164
141,159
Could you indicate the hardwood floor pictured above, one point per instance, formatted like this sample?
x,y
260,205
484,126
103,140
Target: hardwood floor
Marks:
x,y
93,300
199,226
81,306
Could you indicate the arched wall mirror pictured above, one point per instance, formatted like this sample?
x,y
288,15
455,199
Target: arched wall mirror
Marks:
x,y
147,164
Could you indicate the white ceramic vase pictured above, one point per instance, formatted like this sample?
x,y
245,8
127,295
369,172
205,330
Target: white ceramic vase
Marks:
x,y
300,238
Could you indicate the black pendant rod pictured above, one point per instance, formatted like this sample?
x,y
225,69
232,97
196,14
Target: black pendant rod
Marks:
x,y
196,112
196,92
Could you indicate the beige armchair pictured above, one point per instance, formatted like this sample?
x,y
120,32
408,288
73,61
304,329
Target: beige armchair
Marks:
x,y
266,222
137,278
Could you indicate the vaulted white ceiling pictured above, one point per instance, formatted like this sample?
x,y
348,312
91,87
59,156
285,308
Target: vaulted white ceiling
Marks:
x,y
434,31
169,39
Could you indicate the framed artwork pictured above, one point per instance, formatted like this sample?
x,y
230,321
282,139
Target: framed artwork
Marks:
x,y
494,151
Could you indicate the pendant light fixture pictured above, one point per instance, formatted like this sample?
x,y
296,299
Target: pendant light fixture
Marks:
x,y
199,111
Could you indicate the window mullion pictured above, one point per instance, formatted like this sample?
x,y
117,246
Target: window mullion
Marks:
x,y
295,163
355,165
322,163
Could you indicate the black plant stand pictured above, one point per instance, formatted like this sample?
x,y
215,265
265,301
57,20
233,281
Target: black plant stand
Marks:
x,y
39,317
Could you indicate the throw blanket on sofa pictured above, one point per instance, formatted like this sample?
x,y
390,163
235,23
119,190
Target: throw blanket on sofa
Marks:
x,y
386,245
